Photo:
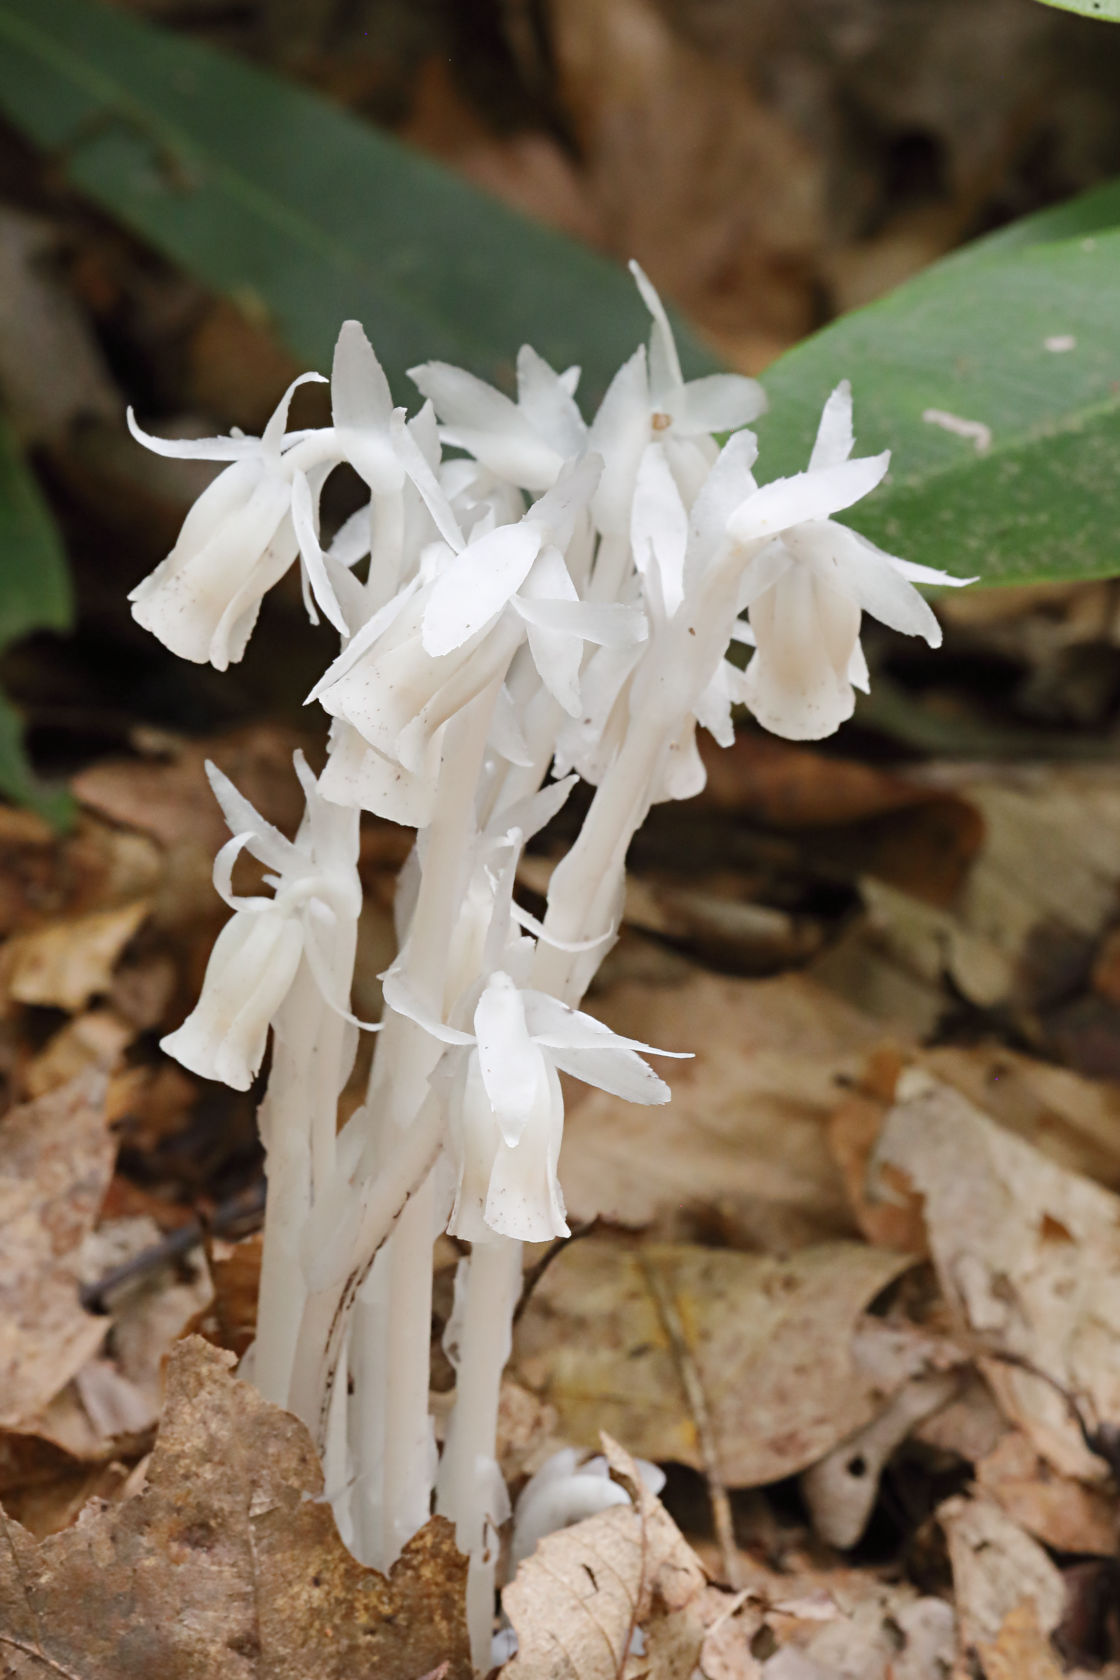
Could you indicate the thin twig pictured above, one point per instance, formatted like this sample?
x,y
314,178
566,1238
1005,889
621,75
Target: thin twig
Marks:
x,y
240,1213
536,1271
701,1418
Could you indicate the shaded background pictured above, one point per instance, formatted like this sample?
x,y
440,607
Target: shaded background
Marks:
x,y
770,164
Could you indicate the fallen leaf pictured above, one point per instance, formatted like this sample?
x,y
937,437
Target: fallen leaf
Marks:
x,y
96,1040
56,1159
996,1565
771,1341
1027,1255
67,963
227,1563
744,1140
578,1600
1065,1514
1020,1651
841,1488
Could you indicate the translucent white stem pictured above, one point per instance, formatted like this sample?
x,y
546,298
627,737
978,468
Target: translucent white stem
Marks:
x,y
585,884
326,1311
285,1130
470,1490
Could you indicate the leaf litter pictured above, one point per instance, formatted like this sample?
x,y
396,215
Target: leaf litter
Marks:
x,y
812,1279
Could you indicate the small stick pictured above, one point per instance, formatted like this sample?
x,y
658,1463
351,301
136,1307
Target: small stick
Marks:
x,y
701,1417
240,1213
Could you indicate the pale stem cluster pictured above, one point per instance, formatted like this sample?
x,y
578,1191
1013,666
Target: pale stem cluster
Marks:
x,y
551,601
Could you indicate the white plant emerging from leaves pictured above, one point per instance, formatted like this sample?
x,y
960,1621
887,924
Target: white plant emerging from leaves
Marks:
x,y
556,597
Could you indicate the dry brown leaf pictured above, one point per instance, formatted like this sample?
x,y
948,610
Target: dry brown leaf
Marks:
x,y
1065,1514
67,963
97,1039
744,1139
578,1600
668,137
56,1159
995,1567
227,1564
771,1341
1073,1120
1038,896
1020,1651
1027,1254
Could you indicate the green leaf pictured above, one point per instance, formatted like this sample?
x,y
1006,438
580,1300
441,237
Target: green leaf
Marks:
x,y
1107,11
34,595
971,340
300,212
1094,211
34,580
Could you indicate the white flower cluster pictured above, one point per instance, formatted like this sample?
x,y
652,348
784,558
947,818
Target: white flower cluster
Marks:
x,y
549,597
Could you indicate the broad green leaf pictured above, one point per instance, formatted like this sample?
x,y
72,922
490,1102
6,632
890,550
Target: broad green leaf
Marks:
x,y
34,595
1108,11
1094,211
300,212
1028,344
34,580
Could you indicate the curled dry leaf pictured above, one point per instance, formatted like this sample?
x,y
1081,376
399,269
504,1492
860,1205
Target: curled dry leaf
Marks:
x,y
1020,1651
1028,1256
1063,1513
577,1602
228,1564
996,1567
745,1134
842,1487
771,1342
56,1160
67,963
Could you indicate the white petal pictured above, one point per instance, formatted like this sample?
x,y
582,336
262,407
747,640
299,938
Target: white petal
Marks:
x,y
547,404
659,527
360,395
557,1026
512,1067
927,574
726,487
358,775
530,815
834,434
418,468
665,375
720,402
273,435
683,775
403,999
764,571
193,449
477,585
808,495
249,974
359,645
303,522
619,433
873,579
523,1199
273,849
351,540
797,683
613,626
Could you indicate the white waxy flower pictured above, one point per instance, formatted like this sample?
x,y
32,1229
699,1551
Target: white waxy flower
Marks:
x,y
809,581
566,1489
257,953
236,542
650,406
521,568
506,1105
526,442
